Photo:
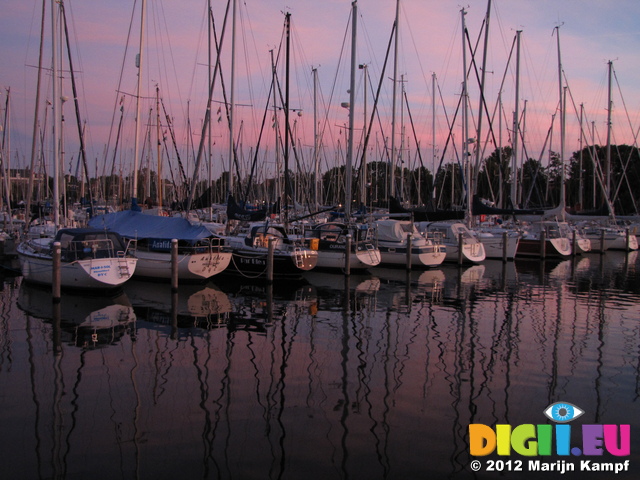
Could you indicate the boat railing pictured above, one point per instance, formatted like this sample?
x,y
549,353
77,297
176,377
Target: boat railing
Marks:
x,y
436,236
131,247
88,249
208,245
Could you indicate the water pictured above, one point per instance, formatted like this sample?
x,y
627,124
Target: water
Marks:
x,y
377,376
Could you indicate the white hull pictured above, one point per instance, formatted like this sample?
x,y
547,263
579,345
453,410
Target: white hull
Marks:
x,y
529,246
191,267
360,260
98,273
474,253
448,234
494,244
251,251
583,245
612,240
428,256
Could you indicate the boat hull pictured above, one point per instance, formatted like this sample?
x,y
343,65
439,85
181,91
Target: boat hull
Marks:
x,y
192,267
425,257
532,247
448,234
252,262
95,274
495,248
333,257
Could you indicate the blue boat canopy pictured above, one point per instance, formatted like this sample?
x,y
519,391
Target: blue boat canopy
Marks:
x,y
138,225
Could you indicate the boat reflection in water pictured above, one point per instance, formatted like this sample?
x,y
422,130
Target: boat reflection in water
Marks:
x,y
192,305
371,376
256,304
85,321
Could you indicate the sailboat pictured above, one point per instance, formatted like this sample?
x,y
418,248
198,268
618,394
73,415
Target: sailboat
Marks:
x,y
393,244
257,242
345,245
89,258
331,240
201,254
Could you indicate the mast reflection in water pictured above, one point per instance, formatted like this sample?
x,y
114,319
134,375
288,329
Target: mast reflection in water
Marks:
x,y
374,376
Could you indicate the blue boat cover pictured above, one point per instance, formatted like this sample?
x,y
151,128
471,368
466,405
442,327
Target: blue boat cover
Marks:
x,y
138,225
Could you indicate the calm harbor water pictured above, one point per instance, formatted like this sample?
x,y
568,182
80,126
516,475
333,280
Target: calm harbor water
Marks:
x,y
374,376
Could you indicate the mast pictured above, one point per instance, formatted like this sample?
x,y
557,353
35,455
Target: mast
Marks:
x,y
433,134
278,183
287,189
5,164
482,81
465,116
607,169
363,167
158,150
393,107
352,88
34,137
207,116
232,95
516,133
500,199
562,100
581,178
136,145
209,131
56,110
316,162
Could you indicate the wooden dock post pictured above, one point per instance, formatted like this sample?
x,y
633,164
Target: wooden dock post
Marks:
x,y
174,265
347,255
270,249
504,247
56,279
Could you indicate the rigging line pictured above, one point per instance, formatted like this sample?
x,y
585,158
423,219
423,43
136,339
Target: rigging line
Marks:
x,y
207,117
118,89
597,168
255,158
449,137
166,150
374,112
497,104
538,164
624,177
626,111
483,99
413,41
161,21
77,106
287,125
326,123
173,140
245,43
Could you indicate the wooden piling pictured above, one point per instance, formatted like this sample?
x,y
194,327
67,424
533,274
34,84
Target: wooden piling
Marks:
x,y
347,255
56,279
504,247
174,265
270,250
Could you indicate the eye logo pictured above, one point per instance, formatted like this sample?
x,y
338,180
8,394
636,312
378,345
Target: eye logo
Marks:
x,y
562,412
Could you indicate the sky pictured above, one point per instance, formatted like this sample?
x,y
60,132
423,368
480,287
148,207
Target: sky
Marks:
x,y
590,34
